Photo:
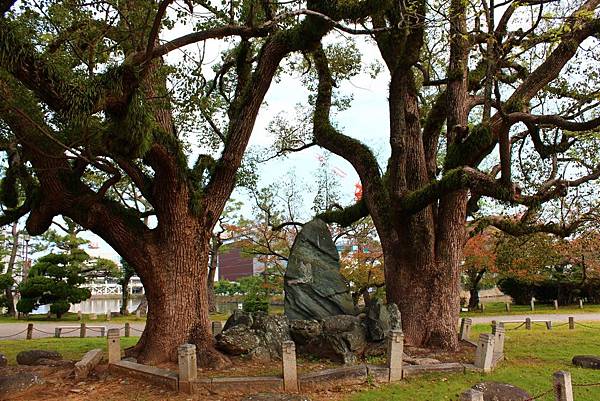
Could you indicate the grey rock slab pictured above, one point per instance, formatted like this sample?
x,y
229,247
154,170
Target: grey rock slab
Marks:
x,y
587,361
257,335
343,339
11,384
381,318
34,357
303,331
314,287
495,391
239,317
237,340
420,361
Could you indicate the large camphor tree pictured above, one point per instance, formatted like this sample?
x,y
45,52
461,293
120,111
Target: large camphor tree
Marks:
x,y
495,101
86,101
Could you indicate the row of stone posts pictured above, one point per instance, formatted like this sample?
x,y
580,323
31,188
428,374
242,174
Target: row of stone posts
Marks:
x,y
490,347
563,389
467,323
555,302
531,305
188,364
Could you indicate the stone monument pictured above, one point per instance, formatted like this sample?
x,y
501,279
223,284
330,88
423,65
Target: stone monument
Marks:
x,y
314,287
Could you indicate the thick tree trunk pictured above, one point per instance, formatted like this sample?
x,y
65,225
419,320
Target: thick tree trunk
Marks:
x,y
427,296
474,290
124,298
474,298
175,284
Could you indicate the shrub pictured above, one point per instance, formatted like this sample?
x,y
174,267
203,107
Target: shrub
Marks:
x,y
255,302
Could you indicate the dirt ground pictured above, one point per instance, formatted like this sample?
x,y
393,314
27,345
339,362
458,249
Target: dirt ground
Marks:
x,y
60,383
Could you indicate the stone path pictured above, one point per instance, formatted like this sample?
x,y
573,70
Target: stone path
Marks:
x,y
556,318
46,329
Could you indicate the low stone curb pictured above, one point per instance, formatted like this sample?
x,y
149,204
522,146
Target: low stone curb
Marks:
x,y
154,375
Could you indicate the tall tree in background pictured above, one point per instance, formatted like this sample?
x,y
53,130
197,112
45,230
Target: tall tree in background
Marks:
x,y
361,260
473,88
127,272
479,259
12,241
84,92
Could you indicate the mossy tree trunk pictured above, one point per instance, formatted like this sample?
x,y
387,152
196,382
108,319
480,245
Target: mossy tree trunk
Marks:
x,y
419,207
79,134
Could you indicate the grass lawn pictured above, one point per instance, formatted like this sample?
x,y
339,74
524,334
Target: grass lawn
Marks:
x,y
531,359
498,308
70,348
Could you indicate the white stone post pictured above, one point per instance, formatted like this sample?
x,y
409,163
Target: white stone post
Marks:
x,y
79,315
499,335
485,352
465,328
532,303
556,304
114,345
188,366
93,316
288,362
507,306
108,315
394,354
471,395
563,389
580,303
217,327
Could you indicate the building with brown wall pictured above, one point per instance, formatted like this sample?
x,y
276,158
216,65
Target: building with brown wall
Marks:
x,y
233,264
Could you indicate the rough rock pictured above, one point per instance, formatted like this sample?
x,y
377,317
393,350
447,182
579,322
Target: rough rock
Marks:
x,y
304,331
239,317
314,287
17,382
3,361
381,318
238,340
494,391
275,397
257,335
587,361
37,357
343,339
